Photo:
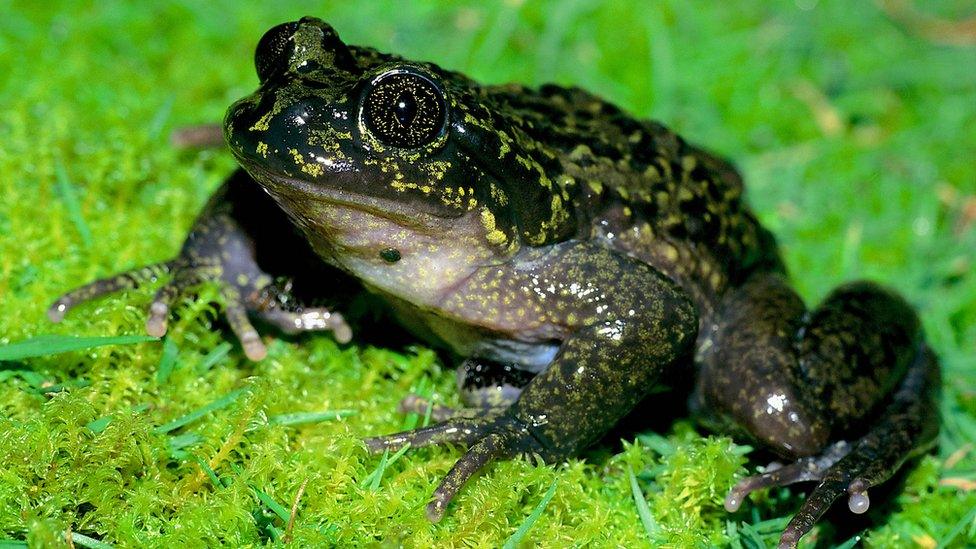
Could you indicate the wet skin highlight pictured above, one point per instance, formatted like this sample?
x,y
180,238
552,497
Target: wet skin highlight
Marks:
x,y
569,255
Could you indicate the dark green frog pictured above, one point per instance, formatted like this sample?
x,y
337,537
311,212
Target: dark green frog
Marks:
x,y
569,255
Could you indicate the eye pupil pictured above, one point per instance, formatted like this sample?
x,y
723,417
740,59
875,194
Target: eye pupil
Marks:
x,y
404,110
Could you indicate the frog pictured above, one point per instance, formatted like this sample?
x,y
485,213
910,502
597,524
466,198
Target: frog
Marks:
x,y
570,256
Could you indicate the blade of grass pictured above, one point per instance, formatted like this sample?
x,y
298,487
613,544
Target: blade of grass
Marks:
x,y
529,521
269,502
966,519
99,425
12,544
650,525
167,362
214,356
301,418
221,402
377,474
178,443
89,542
44,345
67,192
206,469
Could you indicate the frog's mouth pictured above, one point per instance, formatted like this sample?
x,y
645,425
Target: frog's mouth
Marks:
x,y
291,192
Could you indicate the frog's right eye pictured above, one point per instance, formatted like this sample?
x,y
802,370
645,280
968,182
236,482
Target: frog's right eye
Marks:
x,y
274,49
403,108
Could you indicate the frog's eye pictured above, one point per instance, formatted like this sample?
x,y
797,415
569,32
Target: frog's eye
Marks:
x,y
404,109
274,49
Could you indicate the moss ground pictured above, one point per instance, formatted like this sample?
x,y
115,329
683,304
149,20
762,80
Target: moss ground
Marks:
x,y
855,134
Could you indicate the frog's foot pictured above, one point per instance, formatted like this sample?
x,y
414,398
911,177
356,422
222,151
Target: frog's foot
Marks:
x,y
802,470
241,293
492,436
104,286
906,429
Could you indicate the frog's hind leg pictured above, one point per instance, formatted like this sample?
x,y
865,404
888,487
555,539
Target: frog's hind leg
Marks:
x,y
855,370
906,429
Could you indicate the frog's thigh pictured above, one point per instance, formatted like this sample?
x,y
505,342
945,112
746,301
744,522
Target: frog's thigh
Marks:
x,y
749,367
793,379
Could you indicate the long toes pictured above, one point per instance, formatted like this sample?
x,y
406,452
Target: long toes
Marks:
x,y
122,281
309,320
802,470
156,322
492,447
461,431
236,314
816,504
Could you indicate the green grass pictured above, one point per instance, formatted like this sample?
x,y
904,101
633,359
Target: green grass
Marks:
x,y
855,136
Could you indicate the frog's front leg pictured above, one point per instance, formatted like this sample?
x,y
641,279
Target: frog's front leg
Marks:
x,y
223,246
622,323
849,389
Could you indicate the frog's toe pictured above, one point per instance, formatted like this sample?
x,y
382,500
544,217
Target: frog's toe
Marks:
x,y
458,430
236,313
121,281
836,474
309,319
490,437
802,470
183,278
492,447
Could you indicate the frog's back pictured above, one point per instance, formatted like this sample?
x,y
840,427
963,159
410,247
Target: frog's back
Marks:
x,y
642,189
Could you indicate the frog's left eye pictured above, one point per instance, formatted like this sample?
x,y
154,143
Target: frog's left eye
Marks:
x,y
273,50
404,109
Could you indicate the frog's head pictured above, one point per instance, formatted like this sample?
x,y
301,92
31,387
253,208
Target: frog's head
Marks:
x,y
365,150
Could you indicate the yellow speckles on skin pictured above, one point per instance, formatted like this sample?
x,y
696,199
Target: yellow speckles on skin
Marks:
x,y
312,169
402,186
595,186
262,123
627,211
506,146
557,204
716,280
498,194
688,163
262,149
670,252
579,153
492,234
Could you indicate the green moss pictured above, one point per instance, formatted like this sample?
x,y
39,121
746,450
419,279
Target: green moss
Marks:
x,y
854,135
